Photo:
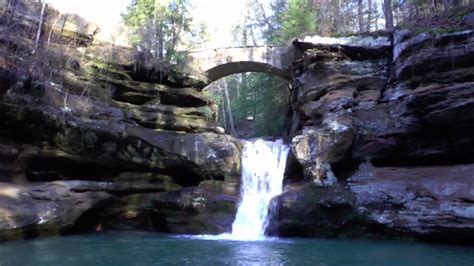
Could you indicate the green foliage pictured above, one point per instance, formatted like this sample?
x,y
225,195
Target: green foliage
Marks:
x,y
298,19
272,25
259,104
282,20
271,101
162,27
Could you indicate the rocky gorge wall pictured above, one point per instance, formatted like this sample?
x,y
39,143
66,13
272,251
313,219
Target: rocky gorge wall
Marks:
x,y
382,138
91,139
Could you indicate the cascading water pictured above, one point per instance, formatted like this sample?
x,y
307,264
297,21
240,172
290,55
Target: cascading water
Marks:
x,y
263,167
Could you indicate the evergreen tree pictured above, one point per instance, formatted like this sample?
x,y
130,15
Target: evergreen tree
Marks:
x,y
299,18
161,27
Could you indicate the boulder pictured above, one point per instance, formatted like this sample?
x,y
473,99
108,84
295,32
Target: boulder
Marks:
x,y
191,210
433,202
196,211
306,210
316,149
43,209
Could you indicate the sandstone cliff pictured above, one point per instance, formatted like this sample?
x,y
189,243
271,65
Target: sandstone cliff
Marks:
x,y
92,139
383,128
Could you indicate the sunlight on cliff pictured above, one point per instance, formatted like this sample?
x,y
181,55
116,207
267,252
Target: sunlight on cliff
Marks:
x,y
10,192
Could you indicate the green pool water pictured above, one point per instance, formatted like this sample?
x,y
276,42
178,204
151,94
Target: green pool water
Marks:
x,y
139,248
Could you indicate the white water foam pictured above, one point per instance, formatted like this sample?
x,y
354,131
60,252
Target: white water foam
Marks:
x,y
263,168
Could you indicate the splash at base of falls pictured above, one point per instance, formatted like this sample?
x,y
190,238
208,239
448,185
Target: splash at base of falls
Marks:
x,y
263,168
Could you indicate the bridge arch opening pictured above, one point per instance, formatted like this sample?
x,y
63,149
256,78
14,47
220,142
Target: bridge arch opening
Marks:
x,y
230,68
252,104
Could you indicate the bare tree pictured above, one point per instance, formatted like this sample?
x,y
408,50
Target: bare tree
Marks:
x,y
369,15
224,115
50,35
40,25
360,15
387,10
229,109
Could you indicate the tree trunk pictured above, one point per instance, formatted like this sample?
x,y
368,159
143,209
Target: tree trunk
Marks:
x,y
254,107
62,27
254,39
456,3
224,118
155,32
387,10
50,35
161,43
360,15
13,5
376,16
434,5
229,109
40,26
447,4
337,16
369,15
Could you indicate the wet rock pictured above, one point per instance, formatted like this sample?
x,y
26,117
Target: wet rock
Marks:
x,y
309,211
57,207
191,210
316,149
195,211
221,187
428,202
42,209
8,152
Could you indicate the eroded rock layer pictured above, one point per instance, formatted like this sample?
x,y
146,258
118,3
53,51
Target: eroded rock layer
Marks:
x,y
91,138
384,129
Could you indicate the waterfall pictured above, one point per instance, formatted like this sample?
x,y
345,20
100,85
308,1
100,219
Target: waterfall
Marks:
x,y
263,168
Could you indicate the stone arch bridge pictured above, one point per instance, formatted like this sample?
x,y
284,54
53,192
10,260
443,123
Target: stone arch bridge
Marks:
x,y
221,62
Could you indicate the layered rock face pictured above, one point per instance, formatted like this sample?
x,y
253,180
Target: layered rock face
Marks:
x,y
386,124
91,140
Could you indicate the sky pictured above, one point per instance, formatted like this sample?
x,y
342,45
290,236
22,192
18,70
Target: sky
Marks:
x,y
219,15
